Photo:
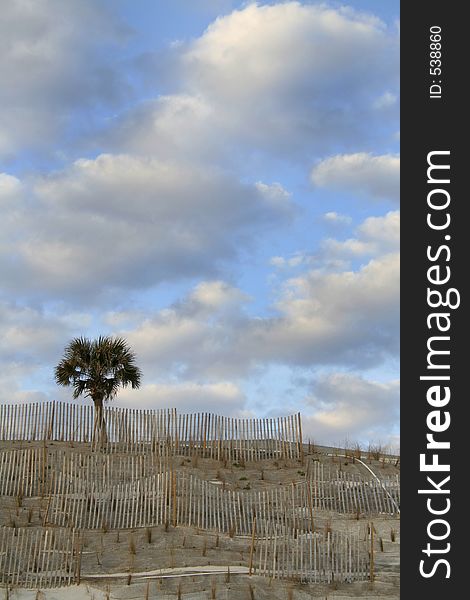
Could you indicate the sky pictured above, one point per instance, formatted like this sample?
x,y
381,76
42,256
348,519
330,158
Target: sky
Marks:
x,y
217,182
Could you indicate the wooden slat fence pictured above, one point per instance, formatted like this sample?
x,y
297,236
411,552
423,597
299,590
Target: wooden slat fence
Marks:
x,y
38,557
132,430
313,557
177,499
339,491
35,471
185,499
220,437
42,471
67,422
180,499
22,472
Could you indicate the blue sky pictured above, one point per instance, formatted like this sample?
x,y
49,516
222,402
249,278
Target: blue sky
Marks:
x,y
216,181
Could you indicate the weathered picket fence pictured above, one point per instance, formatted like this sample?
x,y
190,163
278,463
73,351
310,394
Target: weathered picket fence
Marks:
x,y
67,422
35,471
339,491
172,497
65,474
252,439
130,430
177,499
319,557
38,557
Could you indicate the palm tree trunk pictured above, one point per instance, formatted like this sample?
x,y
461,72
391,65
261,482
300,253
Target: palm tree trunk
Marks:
x,y
100,437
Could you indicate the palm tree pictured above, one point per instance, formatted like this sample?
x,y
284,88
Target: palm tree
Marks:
x,y
97,369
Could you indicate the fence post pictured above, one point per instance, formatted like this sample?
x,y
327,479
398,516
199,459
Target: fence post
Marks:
x,y
252,548
371,573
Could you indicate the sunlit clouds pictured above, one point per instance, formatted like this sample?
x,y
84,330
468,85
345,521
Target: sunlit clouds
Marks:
x,y
223,194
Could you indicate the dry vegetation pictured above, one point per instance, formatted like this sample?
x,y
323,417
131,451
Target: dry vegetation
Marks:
x,y
172,559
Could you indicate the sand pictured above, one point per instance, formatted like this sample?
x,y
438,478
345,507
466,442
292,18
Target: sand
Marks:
x,y
193,564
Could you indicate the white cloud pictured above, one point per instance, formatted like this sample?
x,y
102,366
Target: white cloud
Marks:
x,y
31,344
376,177
170,126
9,186
177,195
343,318
12,392
196,338
347,318
384,231
284,78
219,398
216,296
385,101
297,259
375,236
349,407
259,50
51,69
336,219
120,221
27,335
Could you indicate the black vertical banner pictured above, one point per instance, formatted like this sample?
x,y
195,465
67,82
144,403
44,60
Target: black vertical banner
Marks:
x,y
435,252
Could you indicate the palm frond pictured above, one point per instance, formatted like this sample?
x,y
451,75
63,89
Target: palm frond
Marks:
x,y
98,368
